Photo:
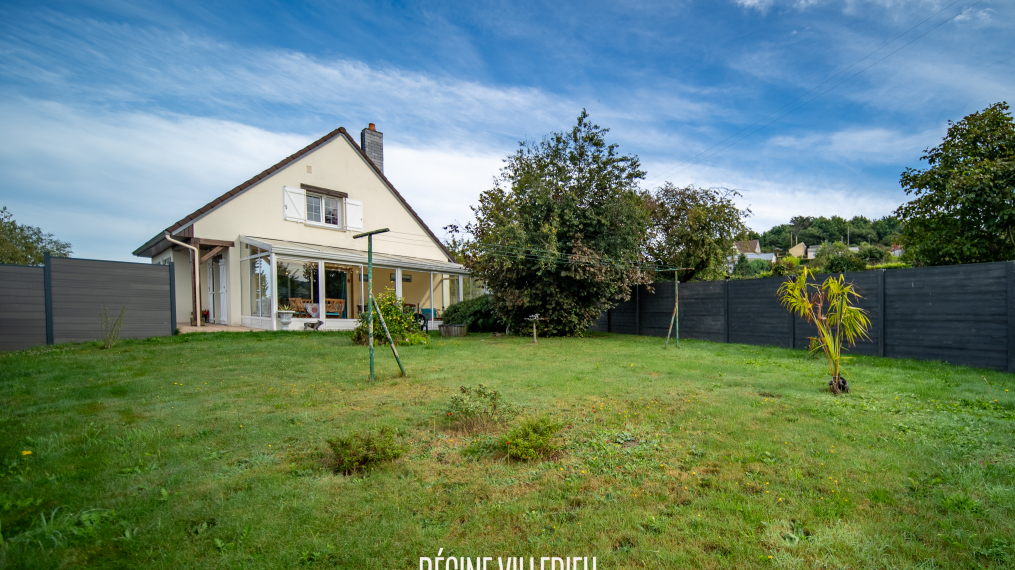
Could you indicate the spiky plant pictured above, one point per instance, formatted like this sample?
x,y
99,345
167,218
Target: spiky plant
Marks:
x,y
830,306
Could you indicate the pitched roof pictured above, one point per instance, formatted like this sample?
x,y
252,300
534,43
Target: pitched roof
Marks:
x,y
340,131
749,246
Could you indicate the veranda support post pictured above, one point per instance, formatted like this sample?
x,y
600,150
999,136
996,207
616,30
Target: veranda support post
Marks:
x,y
370,292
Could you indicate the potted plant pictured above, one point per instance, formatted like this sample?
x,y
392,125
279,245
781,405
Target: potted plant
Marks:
x,y
285,314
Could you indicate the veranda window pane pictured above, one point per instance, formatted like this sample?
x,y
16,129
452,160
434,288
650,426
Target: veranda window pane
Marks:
x,y
297,287
337,280
260,287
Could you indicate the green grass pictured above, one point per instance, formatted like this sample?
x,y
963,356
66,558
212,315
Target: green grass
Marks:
x,y
209,451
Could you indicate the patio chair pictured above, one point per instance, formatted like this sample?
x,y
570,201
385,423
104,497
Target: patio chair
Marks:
x,y
296,304
334,308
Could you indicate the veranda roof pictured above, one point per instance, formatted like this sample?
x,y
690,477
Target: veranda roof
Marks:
x,y
290,249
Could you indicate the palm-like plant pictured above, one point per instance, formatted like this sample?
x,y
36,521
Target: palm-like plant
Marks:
x,y
830,307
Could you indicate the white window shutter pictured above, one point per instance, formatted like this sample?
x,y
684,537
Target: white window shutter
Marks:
x,y
354,215
294,204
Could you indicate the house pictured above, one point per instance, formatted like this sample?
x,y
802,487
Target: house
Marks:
x,y
813,250
799,250
285,238
748,246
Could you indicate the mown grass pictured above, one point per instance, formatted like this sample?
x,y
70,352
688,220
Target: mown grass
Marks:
x,y
209,451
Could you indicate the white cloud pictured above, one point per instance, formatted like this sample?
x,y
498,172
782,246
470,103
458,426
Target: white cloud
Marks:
x,y
774,196
107,182
872,145
440,183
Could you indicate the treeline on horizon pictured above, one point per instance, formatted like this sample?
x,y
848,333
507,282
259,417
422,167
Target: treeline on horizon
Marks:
x,y
818,230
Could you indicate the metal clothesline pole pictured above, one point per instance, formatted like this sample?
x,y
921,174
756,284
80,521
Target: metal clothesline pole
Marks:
x,y
370,292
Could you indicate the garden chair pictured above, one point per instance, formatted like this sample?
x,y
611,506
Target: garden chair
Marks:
x,y
296,304
334,308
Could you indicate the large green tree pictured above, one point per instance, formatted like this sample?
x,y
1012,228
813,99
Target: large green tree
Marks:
x,y
560,232
25,245
696,228
963,210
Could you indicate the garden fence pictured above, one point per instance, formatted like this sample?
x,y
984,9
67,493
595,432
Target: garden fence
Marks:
x,y
962,314
64,300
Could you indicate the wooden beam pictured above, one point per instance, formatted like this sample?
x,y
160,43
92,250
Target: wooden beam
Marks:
x,y
210,242
211,254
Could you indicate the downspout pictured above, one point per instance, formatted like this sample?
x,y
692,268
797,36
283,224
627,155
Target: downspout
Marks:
x,y
197,277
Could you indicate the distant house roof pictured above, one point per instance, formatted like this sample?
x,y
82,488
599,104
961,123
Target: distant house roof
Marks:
x,y
749,246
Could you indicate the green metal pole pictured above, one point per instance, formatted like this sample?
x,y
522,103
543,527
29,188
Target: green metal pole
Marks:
x,y
370,297
370,291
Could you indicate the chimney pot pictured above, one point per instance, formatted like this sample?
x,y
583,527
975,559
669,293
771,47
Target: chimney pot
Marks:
x,y
373,127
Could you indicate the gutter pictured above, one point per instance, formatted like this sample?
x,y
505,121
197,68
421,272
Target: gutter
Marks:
x,y
197,277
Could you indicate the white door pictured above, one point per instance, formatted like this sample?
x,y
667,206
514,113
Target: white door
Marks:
x,y
223,301
212,287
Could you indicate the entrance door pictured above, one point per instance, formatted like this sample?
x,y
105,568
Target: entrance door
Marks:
x,y
222,302
212,290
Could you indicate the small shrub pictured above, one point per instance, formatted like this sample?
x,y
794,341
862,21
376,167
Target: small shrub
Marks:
x,y
478,313
364,449
473,408
532,439
401,323
873,254
110,327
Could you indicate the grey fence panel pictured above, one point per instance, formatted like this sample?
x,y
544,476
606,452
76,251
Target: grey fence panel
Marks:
x,y
22,307
963,314
656,308
756,317
82,289
954,313
703,310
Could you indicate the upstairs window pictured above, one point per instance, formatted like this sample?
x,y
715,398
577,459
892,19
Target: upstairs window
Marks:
x,y
314,205
324,210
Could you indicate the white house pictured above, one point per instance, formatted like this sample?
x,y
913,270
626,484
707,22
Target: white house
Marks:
x,y
285,237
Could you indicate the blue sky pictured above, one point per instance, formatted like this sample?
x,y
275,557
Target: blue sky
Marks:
x,y
122,117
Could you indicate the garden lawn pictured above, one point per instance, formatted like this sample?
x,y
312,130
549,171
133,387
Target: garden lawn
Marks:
x,y
209,451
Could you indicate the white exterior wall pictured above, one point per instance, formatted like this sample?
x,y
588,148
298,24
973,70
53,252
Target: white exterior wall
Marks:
x,y
258,212
184,282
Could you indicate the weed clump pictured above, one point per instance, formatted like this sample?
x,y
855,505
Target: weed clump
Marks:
x,y
531,439
361,450
479,407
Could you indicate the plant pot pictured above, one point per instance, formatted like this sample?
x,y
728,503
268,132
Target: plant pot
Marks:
x,y
839,385
285,317
454,330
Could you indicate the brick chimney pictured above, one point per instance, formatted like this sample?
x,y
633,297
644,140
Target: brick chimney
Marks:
x,y
372,142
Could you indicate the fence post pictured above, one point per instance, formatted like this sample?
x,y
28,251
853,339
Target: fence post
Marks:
x,y
47,280
726,311
172,298
609,312
882,306
1010,266
637,310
